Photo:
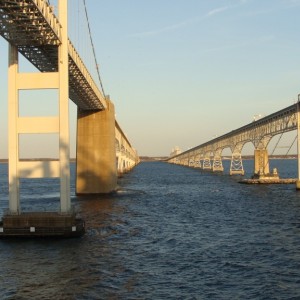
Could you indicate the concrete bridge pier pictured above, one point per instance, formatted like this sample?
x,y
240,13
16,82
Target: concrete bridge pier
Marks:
x,y
217,165
198,163
236,165
217,162
120,166
191,163
261,164
298,142
96,169
206,163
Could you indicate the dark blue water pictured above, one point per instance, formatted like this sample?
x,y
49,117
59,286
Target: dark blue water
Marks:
x,y
170,233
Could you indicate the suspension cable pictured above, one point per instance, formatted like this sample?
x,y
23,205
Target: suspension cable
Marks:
x,y
277,144
281,137
279,141
94,53
291,145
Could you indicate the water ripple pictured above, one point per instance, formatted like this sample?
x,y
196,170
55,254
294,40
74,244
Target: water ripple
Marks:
x,y
167,233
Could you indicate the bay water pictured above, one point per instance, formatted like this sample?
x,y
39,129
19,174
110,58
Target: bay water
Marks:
x,y
169,232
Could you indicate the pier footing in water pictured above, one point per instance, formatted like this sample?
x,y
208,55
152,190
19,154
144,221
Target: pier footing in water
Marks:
x,y
268,181
41,224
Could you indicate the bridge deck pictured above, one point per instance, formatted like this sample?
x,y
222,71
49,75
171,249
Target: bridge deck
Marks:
x,y
34,29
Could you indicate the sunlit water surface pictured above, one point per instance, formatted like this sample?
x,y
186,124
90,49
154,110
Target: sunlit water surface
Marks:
x,y
170,232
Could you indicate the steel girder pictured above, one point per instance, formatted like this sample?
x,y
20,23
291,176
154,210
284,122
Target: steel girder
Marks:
x,y
32,26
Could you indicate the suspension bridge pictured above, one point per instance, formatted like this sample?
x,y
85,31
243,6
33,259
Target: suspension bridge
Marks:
x,y
103,151
259,132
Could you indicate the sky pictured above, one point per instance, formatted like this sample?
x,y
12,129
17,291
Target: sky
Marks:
x,y
180,72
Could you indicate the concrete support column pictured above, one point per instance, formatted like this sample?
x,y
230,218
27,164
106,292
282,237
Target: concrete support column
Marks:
x,y
64,142
298,142
200,164
197,163
13,137
217,163
261,163
96,170
206,163
236,165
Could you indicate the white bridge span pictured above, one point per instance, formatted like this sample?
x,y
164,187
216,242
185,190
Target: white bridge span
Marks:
x,y
260,132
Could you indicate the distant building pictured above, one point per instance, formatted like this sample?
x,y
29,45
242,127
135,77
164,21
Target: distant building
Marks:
x,y
175,151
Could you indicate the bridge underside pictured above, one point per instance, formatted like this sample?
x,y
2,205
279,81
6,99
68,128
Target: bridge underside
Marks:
x,y
35,31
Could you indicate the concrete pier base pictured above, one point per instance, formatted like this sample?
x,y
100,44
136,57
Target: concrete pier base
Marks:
x,y
261,163
297,184
41,224
96,170
268,181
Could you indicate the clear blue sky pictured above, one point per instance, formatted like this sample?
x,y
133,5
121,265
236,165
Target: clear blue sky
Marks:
x,y
181,72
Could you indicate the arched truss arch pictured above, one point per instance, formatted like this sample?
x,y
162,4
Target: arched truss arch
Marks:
x,y
259,133
283,144
226,151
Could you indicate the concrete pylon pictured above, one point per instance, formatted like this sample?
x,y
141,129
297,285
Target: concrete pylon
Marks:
x,y
96,170
261,163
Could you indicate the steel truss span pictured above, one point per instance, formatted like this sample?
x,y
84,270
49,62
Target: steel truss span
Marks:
x,y
32,27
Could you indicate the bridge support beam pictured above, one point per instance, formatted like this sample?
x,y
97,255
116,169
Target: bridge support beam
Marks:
x,y
217,163
298,142
13,136
96,170
198,163
261,163
19,125
236,165
206,164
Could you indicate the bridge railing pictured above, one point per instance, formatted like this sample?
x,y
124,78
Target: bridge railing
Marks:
x,y
38,37
93,100
127,156
49,16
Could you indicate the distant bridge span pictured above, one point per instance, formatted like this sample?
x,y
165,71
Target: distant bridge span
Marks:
x,y
260,132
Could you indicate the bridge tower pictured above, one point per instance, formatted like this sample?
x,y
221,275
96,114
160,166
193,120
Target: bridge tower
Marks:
x,y
21,125
15,221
